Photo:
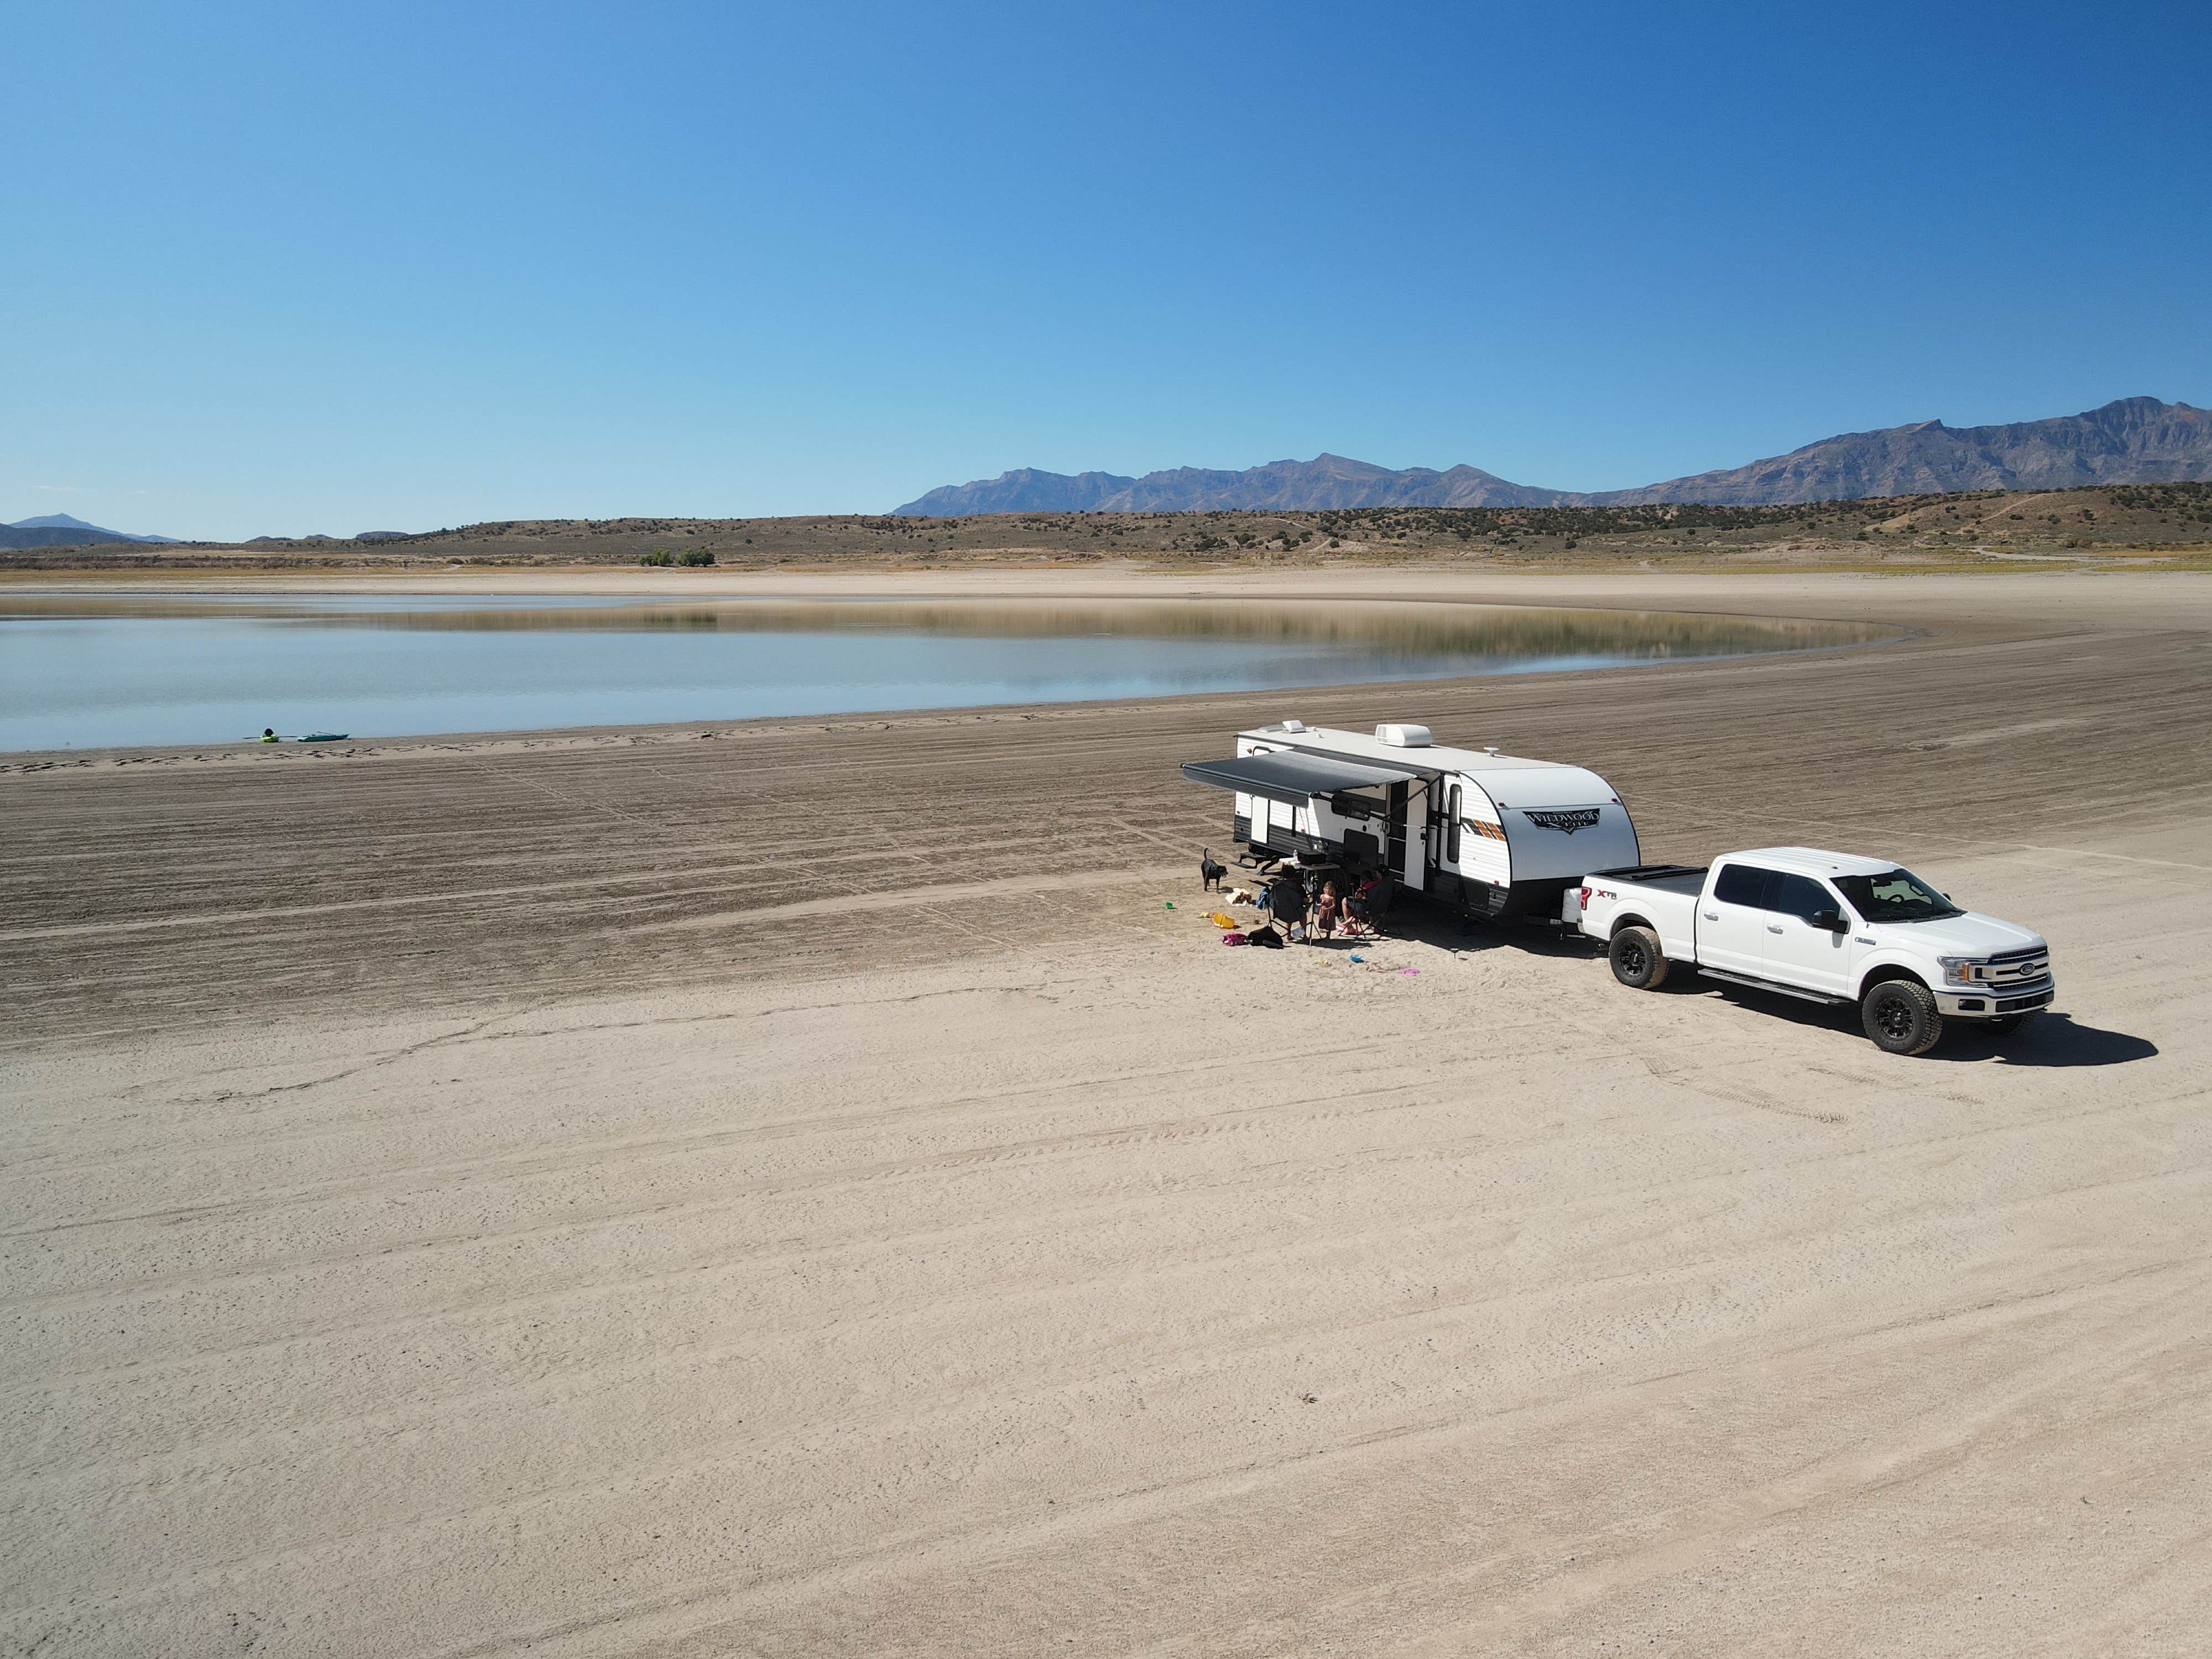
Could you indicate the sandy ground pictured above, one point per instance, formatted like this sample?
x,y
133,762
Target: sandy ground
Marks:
x,y
800,1192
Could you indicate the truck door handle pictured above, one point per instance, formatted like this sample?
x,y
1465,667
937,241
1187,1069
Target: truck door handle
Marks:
x,y
1712,916
1771,928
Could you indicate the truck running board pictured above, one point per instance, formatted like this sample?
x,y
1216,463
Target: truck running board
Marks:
x,y
1821,997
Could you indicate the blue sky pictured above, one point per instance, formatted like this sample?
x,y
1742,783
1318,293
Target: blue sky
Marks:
x,y
288,269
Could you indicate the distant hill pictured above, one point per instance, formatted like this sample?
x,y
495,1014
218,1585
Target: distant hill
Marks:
x,y
1025,489
1326,481
60,529
2094,527
2133,441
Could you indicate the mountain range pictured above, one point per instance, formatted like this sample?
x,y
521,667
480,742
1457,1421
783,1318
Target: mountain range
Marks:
x,y
2132,440
59,530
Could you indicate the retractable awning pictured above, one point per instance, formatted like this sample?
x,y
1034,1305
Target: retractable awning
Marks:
x,y
1293,778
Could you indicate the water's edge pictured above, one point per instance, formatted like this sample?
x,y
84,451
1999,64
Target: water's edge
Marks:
x,y
84,672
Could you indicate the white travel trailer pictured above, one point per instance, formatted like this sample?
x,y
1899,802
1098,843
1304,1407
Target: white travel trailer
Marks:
x,y
1492,834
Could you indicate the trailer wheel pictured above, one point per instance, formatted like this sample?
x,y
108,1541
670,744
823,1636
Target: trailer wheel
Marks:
x,y
1637,961
1901,1016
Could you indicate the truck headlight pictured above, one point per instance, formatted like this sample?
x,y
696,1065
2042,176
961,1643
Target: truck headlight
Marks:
x,y
1962,970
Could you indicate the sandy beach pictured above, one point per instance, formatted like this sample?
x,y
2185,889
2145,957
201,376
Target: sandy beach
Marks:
x,y
793,1188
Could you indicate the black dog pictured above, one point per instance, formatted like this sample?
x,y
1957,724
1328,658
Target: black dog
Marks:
x,y
1209,872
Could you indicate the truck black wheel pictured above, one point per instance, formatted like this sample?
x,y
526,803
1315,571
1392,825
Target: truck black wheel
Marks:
x,y
1901,1016
1637,961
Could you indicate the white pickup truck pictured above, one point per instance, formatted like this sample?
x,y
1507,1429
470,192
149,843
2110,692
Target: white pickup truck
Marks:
x,y
1825,926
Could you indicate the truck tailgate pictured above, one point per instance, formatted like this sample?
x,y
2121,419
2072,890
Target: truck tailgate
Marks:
x,y
1663,898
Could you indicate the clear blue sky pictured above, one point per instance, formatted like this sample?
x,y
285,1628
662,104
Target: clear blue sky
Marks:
x,y
335,267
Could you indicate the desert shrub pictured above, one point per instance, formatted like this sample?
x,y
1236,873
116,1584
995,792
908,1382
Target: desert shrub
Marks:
x,y
659,556
696,555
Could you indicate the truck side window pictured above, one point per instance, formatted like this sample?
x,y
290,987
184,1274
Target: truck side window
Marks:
x,y
1802,895
1745,884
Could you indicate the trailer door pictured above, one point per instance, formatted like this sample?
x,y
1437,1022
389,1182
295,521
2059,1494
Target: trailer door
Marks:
x,y
1423,835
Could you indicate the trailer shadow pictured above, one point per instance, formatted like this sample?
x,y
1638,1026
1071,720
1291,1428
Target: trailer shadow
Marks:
x,y
2049,1040
1445,930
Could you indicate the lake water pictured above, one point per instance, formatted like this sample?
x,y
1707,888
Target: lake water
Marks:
x,y
102,670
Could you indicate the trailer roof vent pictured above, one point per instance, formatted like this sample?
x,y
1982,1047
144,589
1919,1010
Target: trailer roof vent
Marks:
x,y
1404,737
1292,725
1490,749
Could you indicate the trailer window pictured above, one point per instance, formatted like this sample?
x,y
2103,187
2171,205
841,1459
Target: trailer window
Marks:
x,y
1349,806
1746,884
1451,826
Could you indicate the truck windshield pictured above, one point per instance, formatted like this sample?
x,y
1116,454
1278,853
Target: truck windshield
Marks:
x,y
1895,896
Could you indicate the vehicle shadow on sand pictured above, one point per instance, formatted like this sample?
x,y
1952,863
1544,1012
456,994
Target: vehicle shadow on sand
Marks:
x,y
2049,1039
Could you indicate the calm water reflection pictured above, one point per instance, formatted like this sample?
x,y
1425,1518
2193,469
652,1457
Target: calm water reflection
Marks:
x,y
103,669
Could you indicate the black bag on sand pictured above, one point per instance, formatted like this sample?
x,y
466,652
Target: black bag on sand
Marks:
x,y
1267,938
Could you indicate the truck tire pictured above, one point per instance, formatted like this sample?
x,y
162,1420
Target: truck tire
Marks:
x,y
1901,1016
1637,961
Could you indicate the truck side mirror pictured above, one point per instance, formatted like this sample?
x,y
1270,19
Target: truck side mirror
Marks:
x,y
1831,920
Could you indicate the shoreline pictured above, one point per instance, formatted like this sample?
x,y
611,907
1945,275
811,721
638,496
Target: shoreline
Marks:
x,y
1915,606
365,745
2011,595
1101,580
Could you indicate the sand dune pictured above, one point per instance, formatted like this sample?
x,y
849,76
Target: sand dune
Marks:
x,y
803,1192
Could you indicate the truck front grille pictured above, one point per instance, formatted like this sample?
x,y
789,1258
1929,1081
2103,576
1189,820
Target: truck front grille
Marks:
x,y
2010,968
